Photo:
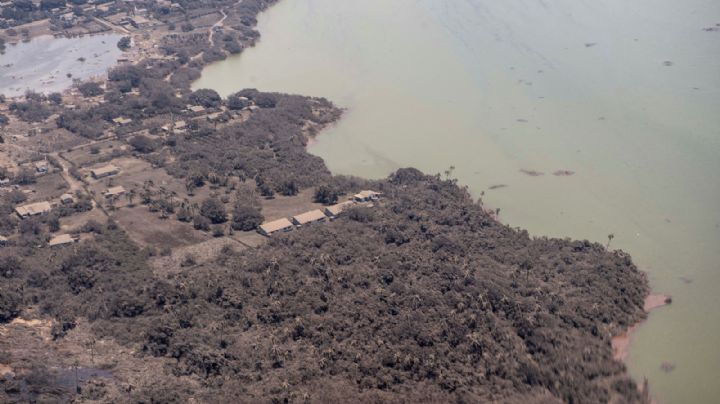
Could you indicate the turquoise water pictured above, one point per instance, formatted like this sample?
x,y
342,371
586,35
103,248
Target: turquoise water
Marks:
x,y
624,94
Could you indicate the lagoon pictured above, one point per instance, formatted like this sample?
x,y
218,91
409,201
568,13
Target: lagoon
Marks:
x,y
624,95
43,63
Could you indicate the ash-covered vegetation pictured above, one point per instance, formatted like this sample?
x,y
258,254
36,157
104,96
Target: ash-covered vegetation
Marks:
x,y
424,298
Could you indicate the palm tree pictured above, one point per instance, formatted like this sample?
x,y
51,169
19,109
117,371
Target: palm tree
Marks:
x,y
130,197
610,237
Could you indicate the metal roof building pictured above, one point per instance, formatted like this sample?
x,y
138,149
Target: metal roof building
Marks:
x,y
275,226
309,217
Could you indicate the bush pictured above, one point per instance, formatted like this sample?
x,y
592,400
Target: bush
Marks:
x,y
205,97
143,144
124,43
90,89
9,304
246,218
214,210
326,194
201,223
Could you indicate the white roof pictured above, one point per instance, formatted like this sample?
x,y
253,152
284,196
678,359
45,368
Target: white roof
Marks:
x,y
367,194
115,190
275,225
308,217
105,170
33,209
61,239
335,210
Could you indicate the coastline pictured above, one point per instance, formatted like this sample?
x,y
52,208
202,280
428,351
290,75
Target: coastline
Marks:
x,y
651,301
621,342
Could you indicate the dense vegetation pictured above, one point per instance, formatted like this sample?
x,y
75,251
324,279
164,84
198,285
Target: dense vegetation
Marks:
x,y
424,298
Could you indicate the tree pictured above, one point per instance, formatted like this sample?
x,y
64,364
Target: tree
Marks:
x,y
214,210
143,144
289,188
610,238
205,97
326,194
9,304
201,223
124,43
90,89
55,98
235,102
53,223
246,218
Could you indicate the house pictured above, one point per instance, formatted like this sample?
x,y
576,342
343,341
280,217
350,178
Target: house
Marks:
x,y
276,226
4,182
335,210
196,109
312,216
366,196
105,171
42,167
33,209
114,191
63,239
122,121
3,241
66,199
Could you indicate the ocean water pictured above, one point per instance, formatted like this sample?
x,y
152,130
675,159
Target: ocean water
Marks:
x,y
626,95
43,63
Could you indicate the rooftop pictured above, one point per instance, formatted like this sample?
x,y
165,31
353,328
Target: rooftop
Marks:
x,y
61,239
308,217
105,170
335,210
33,209
118,190
275,225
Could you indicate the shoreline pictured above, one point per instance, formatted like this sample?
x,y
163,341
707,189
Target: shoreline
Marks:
x,y
621,343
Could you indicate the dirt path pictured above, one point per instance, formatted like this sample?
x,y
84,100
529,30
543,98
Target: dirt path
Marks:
x,y
220,24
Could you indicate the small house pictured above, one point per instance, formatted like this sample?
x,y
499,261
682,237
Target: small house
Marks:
x,y
276,226
114,192
42,167
66,199
63,239
105,171
122,121
3,241
312,216
196,109
335,210
366,196
33,209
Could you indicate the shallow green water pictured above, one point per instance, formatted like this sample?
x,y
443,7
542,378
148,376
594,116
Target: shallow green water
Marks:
x,y
494,87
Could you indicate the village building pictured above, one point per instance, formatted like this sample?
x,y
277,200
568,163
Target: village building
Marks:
x,y
276,226
114,192
63,239
367,196
33,209
196,109
312,216
122,121
104,171
3,241
42,167
335,210
66,199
